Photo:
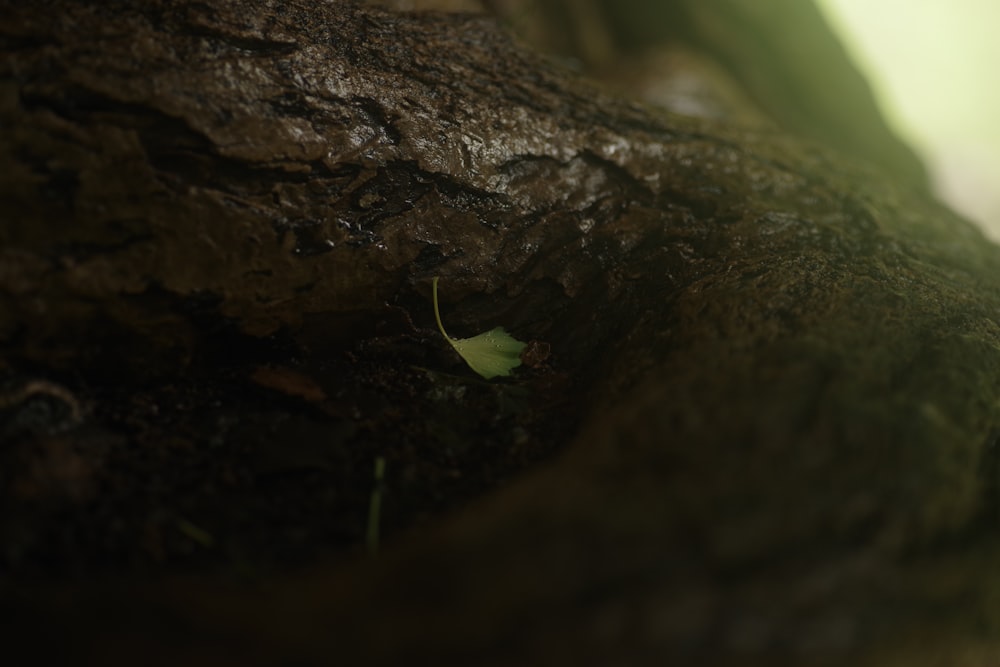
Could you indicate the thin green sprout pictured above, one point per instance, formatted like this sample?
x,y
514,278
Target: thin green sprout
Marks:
x,y
375,508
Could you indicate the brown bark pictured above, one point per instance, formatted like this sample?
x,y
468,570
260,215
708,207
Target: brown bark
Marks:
x,y
783,363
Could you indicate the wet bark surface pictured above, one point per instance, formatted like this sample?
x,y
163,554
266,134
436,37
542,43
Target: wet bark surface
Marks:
x,y
759,424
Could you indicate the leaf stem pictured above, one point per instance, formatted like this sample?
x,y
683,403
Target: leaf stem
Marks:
x,y
437,312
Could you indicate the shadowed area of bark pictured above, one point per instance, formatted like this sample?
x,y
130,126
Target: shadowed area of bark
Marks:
x,y
775,371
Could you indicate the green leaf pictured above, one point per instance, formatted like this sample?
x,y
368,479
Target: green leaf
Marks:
x,y
491,354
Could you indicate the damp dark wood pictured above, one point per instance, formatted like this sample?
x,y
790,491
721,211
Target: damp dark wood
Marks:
x,y
757,426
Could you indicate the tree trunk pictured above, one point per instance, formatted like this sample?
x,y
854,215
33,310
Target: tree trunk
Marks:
x,y
774,373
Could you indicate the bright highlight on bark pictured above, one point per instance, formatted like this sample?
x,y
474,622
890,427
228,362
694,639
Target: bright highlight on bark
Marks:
x,y
491,354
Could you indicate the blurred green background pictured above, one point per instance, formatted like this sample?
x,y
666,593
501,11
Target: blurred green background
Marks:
x,y
933,66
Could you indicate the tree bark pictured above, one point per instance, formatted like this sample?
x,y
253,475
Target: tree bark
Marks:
x,y
782,364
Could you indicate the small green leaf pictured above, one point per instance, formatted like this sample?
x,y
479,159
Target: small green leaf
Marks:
x,y
491,354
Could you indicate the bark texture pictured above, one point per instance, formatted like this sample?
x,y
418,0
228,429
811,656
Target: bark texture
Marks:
x,y
783,365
